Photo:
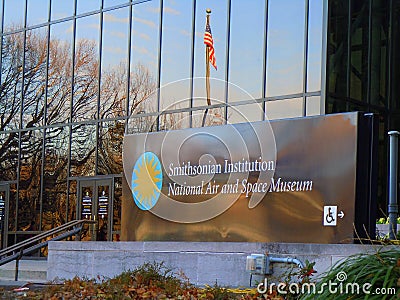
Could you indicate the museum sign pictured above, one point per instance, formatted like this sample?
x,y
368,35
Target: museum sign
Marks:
x,y
296,180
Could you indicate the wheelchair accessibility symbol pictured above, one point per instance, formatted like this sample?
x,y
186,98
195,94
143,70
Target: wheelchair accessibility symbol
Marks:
x,y
330,215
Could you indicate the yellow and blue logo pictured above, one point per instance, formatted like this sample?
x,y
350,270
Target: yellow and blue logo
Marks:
x,y
146,180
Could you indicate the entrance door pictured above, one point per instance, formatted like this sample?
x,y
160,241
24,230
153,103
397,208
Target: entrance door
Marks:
x,y
95,203
4,200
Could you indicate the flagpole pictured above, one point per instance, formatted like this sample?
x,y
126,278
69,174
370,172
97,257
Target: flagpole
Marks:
x,y
208,11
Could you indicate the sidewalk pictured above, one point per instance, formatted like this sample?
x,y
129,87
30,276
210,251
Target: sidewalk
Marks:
x,y
29,270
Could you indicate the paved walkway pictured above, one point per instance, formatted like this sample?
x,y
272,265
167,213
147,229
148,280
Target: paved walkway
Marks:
x,y
30,270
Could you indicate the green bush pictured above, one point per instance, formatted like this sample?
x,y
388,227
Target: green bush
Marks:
x,y
372,271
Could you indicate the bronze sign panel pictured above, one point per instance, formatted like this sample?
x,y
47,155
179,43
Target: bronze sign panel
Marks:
x,y
280,181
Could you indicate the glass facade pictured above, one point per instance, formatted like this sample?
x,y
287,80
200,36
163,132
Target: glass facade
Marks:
x,y
363,68
76,75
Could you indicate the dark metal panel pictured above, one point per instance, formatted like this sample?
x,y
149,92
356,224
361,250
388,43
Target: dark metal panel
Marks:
x,y
367,170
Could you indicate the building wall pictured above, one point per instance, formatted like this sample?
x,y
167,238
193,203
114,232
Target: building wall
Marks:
x,y
75,75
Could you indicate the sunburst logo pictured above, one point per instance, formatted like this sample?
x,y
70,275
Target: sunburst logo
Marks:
x,y
146,180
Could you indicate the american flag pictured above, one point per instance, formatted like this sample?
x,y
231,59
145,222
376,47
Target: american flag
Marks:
x,y
208,40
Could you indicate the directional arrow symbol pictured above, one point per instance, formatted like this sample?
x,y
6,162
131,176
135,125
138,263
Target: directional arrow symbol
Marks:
x,y
341,214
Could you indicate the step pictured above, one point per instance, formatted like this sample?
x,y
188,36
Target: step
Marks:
x,y
30,270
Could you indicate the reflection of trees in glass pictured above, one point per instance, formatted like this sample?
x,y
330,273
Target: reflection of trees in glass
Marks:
x,y
8,156
44,80
83,149
117,205
34,72
113,91
29,180
55,177
85,81
142,89
110,147
59,82
11,81
214,117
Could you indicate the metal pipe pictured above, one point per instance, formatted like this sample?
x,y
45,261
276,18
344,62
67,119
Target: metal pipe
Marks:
x,y
287,260
393,208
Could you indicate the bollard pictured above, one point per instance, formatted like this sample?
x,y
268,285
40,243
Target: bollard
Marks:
x,y
393,208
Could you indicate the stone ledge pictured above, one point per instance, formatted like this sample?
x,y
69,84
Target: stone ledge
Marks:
x,y
203,263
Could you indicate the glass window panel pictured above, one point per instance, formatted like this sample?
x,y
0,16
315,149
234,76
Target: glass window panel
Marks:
x,y
217,91
144,55
87,5
111,3
34,77
114,64
356,76
116,222
379,41
313,106
175,95
138,124
314,45
12,212
83,150
142,92
285,44
359,50
72,200
60,73
29,181
395,59
8,156
56,152
55,177
337,55
218,24
281,109
356,107
336,105
245,113
86,69
176,53
14,14
62,9
247,48
111,135
394,122
11,81
38,12
1,15
214,116
174,121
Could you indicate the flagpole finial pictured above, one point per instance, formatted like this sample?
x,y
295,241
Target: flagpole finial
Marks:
x,y
208,11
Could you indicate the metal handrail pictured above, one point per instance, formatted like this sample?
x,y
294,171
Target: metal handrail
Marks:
x,y
16,251
42,235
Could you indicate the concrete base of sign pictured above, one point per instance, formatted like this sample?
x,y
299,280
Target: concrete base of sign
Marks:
x,y
202,262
